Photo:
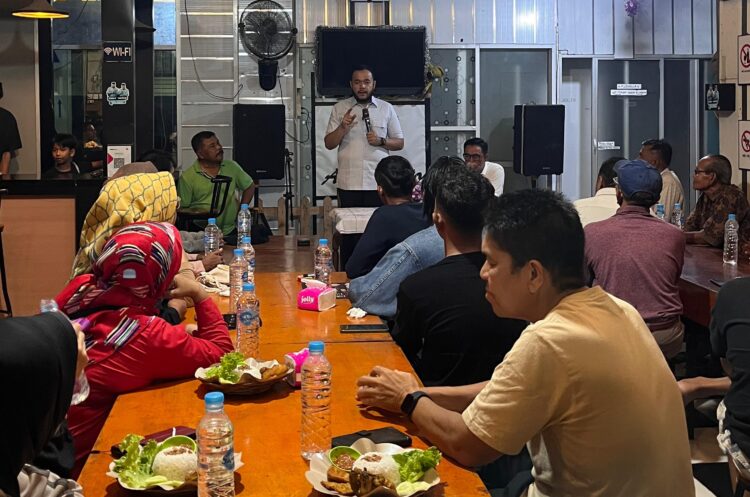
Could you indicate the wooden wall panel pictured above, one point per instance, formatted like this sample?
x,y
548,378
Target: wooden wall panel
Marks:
x,y
39,246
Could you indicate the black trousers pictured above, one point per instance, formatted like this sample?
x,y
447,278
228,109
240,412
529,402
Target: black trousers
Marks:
x,y
358,198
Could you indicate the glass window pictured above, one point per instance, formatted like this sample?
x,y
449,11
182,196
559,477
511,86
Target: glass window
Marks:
x,y
84,26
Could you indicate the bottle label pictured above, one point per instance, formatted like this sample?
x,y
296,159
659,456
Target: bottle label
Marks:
x,y
244,275
248,316
228,459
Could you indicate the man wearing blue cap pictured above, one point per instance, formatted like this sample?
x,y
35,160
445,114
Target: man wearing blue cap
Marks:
x,y
638,257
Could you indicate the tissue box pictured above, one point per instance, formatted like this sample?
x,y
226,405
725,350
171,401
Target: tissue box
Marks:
x,y
316,299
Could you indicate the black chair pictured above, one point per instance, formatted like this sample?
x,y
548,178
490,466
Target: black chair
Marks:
x,y
8,309
186,218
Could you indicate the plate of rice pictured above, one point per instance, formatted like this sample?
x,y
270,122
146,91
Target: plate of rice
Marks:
x,y
169,467
385,469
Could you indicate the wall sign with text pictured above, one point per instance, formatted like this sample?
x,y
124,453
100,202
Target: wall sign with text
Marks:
x,y
117,51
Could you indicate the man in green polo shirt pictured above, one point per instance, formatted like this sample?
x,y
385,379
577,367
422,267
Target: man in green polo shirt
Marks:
x,y
195,187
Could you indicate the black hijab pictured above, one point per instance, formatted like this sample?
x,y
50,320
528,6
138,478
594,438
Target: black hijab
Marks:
x,y
37,373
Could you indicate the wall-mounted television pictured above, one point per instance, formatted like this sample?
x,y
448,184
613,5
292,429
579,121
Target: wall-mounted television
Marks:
x,y
396,54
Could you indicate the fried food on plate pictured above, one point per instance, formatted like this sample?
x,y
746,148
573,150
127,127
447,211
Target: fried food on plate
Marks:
x,y
337,475
341,488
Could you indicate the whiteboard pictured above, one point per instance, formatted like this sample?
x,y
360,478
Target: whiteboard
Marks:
x,y
412,118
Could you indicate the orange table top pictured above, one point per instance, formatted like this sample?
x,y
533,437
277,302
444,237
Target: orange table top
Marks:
x,y
283,322
267,425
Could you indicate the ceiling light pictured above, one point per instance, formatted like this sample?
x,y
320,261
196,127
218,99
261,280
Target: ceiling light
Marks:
x,y
40,9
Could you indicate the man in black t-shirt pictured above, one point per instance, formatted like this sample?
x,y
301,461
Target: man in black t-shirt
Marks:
x,y
444,323
10,138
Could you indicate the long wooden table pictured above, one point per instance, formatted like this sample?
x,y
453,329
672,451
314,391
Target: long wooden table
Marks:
x,y
267,426
698,293
283,322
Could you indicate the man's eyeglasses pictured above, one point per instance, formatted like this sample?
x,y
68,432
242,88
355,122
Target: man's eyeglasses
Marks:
x,y
472,157
697,171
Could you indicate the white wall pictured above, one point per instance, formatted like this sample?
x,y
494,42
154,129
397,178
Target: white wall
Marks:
x,y
730,13
18,73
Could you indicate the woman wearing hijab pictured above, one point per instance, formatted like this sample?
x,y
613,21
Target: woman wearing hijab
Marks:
x,y
129,346
40,358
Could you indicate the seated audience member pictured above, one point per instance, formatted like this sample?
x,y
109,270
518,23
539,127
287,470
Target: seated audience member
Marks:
x,y
658,153
603,204
129,346
195,187
393,222
585,385
64,148
444,324
376,291
40,358
475,155
616,260
719,198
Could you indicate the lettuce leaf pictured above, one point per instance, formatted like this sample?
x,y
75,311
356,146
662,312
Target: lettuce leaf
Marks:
x,y
412,465
225,370
134,468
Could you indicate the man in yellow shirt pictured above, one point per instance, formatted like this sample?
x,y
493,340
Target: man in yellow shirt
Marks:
x,y
585,387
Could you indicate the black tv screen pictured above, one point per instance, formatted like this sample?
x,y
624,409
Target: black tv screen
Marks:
x,y
396,55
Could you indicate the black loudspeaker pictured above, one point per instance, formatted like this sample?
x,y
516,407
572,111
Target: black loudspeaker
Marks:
x,y
538,138
258,137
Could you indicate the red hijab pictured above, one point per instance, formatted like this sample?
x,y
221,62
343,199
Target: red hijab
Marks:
x,y
133,272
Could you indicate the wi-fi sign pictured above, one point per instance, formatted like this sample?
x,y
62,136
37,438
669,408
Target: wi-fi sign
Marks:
x,y
108,50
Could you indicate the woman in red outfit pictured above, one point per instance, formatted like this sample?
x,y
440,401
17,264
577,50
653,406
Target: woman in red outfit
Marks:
x,y
129,346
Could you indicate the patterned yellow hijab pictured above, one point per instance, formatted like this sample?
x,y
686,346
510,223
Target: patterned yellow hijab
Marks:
x,y
123,201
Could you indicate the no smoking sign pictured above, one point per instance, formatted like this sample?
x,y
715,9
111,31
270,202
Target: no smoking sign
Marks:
x,y
743,145
743,59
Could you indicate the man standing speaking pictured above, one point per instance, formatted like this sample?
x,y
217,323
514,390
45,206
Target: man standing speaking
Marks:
x,y
365,129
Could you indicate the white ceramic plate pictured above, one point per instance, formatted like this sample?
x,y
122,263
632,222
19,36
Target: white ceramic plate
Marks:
x,y
319,464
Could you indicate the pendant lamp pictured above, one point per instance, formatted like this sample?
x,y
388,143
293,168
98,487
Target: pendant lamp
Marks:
x,y
40,9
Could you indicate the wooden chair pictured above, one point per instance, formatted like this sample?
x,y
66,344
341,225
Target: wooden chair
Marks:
x,y
8,309
186,217
741,483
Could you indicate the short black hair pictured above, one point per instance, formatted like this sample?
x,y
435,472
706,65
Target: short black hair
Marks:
x,y
539,225
476,141
721,167
462,198
198,138
607,172
363,67
441,169
65,140
163,161
662,146
395,176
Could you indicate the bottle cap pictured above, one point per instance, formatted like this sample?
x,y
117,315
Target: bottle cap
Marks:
x,y
316,346
324,241
239,252
248,287
732,217
243,207
211,220
245,239
214,399
677,205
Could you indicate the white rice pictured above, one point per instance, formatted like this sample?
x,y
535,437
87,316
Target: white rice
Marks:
x,y
176,464
386,466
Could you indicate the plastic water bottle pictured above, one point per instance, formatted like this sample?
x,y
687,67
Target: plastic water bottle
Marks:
x,y
247,246
237,276
215,450
660,211
316,402
323,262
677,219
212,237
81,388
731,240
248,322
244,221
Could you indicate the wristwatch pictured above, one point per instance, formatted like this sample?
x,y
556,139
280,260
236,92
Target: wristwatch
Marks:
x,y
410,401
382,142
